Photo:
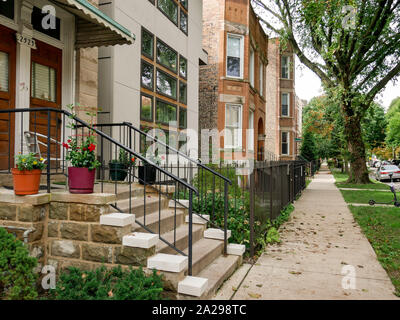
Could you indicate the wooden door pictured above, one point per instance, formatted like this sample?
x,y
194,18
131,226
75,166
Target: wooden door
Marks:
x,y
46,75
7,96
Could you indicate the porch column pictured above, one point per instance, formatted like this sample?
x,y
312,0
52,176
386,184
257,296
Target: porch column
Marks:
x,y
23,75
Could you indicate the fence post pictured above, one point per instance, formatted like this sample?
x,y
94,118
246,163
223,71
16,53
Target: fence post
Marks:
x,y
226,218
251,222
48,150
190,254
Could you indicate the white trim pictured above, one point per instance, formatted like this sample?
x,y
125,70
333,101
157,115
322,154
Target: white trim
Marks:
x,y
237,131
288,61
288,143
241,37
251,67
250,142
288,114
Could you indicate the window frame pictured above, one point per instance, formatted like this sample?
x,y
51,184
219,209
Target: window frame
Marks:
x,y
261,84
252,148
142,61
152,107
168,103
141,44
179,118
181,57
287,142
239,129
186,32
241,38
176,53
252,68
288,67
177,15
288,105
164,94
186,93
33,85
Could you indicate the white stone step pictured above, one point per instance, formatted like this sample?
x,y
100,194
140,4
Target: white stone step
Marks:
x,y
140,240
199,219
167,262
180,204
216,234
236,249
193,286
117,219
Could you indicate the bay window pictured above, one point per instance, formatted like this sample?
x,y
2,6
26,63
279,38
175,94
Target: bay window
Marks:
x,y
285,143
234,56
285,101
233,126
285,62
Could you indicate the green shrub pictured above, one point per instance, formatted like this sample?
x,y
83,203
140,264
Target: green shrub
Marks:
x,y
17,277
107,284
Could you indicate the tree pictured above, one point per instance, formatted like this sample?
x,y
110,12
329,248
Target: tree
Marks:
x,y
374,127
354,60
308,147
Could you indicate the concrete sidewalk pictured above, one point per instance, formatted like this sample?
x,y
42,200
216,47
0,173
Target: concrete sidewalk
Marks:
x,y
320,241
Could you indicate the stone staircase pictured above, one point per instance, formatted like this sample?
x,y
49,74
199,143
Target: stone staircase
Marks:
x,y
210,268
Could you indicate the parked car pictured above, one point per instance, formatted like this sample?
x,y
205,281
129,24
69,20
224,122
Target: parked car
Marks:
x,y
396,162
377,164
385,170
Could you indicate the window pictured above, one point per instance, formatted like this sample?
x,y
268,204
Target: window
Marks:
x,y
285,143
7,9
165,112
184,3
182,142
250,136
233,126
183,67
182,92
147,44
251,67
285,61
170,9
147,75
285,104
167,56
182,118
146,108
184,22
261,79
166,84
234,56
37,19
44,82
4,69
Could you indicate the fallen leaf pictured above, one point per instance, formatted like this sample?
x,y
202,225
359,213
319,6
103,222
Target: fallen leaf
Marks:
x,y
259,285
295,272
234,289
255,295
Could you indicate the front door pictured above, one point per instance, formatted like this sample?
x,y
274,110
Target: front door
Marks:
x,y
46,75
7,96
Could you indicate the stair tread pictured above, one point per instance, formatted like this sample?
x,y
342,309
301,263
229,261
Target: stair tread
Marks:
x,y
153,217
203,247
218,271
181,232
139,202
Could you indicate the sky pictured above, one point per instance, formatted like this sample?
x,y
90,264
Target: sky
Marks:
x,y
308,85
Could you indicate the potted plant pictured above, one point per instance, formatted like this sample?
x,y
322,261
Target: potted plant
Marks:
x,y
27,174
119,167
148,172
82,156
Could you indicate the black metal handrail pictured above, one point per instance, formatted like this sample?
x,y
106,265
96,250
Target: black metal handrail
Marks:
x,y
127,133
33,125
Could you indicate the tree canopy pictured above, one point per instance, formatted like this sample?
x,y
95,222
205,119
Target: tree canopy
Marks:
x,y
351,45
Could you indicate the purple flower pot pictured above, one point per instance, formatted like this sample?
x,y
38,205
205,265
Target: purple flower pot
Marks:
x,y
81,180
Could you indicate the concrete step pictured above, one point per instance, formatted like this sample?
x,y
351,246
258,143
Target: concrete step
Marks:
x,y
219,271
140,240
167,221
138,204
181,238
117,219
205,251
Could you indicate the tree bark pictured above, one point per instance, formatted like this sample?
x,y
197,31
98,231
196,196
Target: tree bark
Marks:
x,y
358,167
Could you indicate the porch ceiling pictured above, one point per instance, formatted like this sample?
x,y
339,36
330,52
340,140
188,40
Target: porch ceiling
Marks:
x,y
93,27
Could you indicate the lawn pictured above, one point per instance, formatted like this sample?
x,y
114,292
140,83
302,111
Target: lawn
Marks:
x,y
342,177
363,196
382,228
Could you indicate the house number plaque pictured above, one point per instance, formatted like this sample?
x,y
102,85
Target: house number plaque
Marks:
x,y
27,41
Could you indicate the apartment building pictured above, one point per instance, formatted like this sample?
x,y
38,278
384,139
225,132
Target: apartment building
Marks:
x,y
284,109
154,84
232,84
48,59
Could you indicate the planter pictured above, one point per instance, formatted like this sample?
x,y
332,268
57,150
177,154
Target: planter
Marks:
x,y
150,177
26,182
118,171
81,180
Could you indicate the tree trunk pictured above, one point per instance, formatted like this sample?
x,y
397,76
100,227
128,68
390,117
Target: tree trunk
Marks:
x,y
358,167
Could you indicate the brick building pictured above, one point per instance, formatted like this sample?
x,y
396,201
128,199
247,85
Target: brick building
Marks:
x,y
284,108
232,85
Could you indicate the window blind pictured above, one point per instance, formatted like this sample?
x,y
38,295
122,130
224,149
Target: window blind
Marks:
x,y
4,69
44,82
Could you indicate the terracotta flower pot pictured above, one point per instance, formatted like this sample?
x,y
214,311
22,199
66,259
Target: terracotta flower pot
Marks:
x,y
26,181
81,180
